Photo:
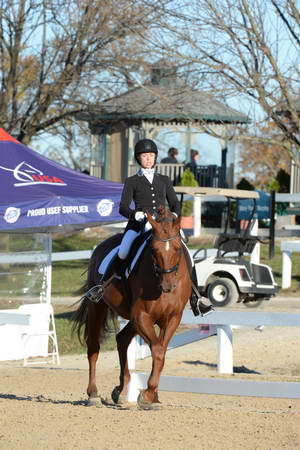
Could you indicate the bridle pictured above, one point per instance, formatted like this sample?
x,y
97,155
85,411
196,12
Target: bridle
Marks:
x,y
159,270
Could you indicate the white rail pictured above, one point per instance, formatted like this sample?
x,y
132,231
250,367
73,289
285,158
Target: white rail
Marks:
x,y
223,322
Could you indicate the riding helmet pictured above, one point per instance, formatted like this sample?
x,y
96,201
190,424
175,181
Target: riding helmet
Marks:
x,y
145,146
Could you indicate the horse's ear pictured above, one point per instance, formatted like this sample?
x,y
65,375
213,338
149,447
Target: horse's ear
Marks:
x,y
151,220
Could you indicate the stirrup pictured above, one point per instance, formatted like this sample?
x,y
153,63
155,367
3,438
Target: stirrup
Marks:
x,y
199,308
95,293
205,310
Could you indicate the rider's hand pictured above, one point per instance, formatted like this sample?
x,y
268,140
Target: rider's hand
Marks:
x,y
139,216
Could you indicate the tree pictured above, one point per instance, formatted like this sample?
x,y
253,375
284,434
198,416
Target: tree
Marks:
x,y
263,160
57,56
246,49
70,144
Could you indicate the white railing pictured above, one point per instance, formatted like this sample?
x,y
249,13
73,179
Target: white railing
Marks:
x,y
174,171
222,321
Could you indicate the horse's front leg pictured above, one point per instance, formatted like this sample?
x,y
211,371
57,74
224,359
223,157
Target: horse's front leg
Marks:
x,y
96,319
124,337
158,347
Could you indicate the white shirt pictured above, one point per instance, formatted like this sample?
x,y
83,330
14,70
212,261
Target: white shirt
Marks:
x,y
148,173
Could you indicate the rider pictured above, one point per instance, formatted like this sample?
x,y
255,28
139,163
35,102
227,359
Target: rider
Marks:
x,y
148,190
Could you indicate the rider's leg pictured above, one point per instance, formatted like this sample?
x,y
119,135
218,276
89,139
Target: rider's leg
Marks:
x,y
198,307
114,267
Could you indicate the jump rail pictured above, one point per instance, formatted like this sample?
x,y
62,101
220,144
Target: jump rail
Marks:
x,y
223,322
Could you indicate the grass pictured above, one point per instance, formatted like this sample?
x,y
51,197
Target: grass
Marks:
x,y
69,342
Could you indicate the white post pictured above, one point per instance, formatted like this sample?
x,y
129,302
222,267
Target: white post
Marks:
x,y
286,269
225,351
131,354
255,255
47,284
133,388
197,215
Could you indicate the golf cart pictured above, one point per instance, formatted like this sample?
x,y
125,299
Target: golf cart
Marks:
x,y
229,276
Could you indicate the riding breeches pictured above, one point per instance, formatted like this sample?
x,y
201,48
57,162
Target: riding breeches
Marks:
x,y
128,238
126,243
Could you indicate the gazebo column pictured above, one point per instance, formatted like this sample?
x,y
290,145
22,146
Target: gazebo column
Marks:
x,y
197,215
188,141
130,143
98,151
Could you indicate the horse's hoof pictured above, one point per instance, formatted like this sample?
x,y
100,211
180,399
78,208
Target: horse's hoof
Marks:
x,y
94,401
146,405
117,397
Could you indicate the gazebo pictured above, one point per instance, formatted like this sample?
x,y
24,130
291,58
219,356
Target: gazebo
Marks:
x,y
164,102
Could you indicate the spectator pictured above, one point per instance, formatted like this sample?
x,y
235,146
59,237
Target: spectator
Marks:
x,y
171,158
194,156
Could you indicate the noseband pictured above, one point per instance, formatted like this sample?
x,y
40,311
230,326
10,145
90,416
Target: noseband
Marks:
x,y
159,270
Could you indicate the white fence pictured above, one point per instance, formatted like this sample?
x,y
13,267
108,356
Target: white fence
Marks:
x,y
223,322
29,331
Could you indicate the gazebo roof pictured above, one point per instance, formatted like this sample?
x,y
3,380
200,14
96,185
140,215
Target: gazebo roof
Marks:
x,y
171,102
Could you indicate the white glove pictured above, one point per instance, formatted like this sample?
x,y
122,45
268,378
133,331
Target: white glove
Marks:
x,y
139,216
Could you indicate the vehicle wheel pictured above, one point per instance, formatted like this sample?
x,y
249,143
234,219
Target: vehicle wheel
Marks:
x,y
222,291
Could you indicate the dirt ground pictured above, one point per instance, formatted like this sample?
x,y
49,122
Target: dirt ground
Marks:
x,y
44,407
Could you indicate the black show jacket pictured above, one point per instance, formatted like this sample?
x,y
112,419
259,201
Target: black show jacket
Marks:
x,y
148,197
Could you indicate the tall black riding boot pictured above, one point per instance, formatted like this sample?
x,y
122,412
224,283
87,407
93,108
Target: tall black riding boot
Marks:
x,y
198,307
114,267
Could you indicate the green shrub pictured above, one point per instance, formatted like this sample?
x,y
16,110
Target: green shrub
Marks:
x,y
187,179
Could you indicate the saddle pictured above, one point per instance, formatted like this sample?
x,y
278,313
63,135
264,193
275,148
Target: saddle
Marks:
x,y
136,251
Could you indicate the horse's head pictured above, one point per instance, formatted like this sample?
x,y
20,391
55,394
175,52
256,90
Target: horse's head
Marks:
x,y
166,248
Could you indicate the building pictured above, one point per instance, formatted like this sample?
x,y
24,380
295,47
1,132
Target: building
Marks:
x,y
119,122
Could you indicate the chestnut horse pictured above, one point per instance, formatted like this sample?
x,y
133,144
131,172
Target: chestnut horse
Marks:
x,y
156,294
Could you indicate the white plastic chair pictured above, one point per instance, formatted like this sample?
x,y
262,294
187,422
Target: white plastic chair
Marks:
x,y
39,335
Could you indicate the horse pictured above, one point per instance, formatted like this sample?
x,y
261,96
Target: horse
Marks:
x,y
155,295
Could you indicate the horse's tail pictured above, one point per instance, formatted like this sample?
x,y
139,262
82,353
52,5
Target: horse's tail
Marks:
x,y
79,319
86,315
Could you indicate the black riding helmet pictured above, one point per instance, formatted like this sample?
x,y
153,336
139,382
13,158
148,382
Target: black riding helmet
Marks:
x,y
145,146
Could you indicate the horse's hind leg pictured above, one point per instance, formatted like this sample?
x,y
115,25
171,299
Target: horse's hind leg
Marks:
x,y
124,337
96,321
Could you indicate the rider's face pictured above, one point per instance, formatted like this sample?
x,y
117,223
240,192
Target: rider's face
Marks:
x,y
147,160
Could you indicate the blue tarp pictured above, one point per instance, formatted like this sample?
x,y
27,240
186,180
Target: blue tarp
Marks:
x,y
41,195
263,207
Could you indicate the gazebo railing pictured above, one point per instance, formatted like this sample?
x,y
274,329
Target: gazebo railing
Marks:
x,y
210,176
96,171
207,176
174,171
